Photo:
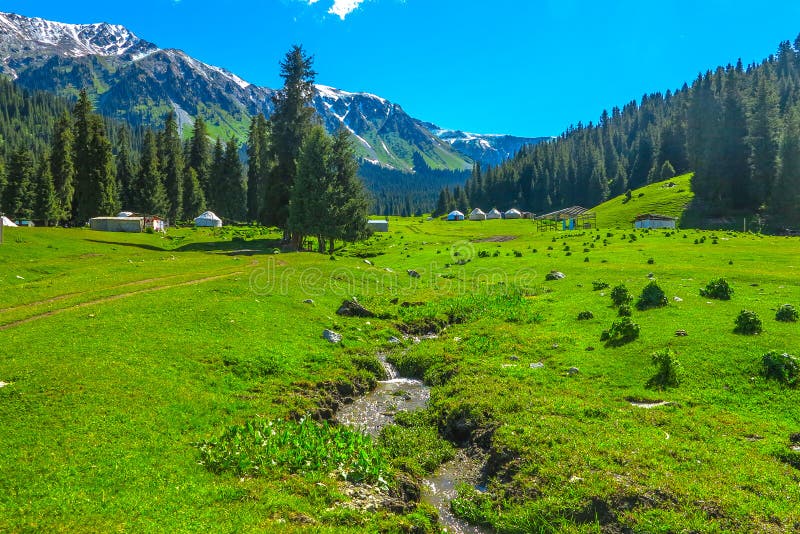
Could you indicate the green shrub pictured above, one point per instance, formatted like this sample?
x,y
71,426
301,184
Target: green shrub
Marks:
x,y
784,368
597,285
652,297
748,323
624,310
620,295
304,446
787,314
669,371
585,315
717,289
483,253
622,331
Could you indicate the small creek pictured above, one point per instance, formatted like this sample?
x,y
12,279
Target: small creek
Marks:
x,y
376,409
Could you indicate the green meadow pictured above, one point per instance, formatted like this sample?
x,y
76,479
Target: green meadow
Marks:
x,y
146,374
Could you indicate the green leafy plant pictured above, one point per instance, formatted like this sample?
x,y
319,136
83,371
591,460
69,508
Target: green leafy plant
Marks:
x,y
652,297
784,368
717,289
669,371
304,446
748,323
620,295
624,310
787,314
622,331
585,315
597,285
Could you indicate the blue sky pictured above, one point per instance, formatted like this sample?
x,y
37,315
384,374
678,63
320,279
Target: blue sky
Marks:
x,y
500,66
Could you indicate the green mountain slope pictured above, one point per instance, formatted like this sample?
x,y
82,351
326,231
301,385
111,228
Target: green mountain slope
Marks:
x,y
670,197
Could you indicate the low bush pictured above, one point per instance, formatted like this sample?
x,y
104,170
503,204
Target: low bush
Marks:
x,y
585,315
625,311
622,331
784,368
620,295
652,297
668,370
787,314
717,289
597,285
748,323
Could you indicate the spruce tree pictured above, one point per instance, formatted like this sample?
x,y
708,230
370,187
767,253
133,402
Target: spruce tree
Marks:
x,y
216,185
786,193
62,167
290,123
172,166
233,191
46,206
441,203
200,155
105,200
667,171
349,203
84,188
312,190
18,197
150,197
126,169
733,161
194,201
257,165
763,141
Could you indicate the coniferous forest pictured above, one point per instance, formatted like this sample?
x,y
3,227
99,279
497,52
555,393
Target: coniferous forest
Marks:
x,y
64,164
736,127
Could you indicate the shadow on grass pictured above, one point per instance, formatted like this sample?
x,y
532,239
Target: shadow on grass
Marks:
x,y
233,248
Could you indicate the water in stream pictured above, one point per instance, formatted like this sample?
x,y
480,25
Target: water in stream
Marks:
x,y
375,410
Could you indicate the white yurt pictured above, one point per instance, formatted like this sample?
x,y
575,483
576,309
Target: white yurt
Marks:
x,y
494,214
125,214
477,215
455,215
8,222
209,218
513,213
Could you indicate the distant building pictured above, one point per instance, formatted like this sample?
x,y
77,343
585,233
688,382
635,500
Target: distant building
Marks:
x,y
494,214
477,215
455,215
652,220
513,213
117,224
208,218
378,225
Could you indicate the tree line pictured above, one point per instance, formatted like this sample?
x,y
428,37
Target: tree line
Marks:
x,y
80,165
735,127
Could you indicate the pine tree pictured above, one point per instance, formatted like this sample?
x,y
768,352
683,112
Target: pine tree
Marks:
x,y
172,166
62,168
441,204
349,203
667,171
312,189
84,190
786,193
3,183
257,165
233,193
18,198
102,177
290,123
150,197
126,170
194,201
216,185
733,162
763,141
46,206
200,155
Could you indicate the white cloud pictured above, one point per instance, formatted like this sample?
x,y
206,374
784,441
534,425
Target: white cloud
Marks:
x,y
341,8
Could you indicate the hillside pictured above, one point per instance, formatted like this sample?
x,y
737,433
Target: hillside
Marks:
x,y
670,197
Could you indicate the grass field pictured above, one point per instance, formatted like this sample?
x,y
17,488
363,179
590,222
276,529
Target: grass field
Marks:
x,y
121,353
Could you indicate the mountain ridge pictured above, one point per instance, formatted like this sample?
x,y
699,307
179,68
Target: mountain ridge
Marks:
x,y
133,79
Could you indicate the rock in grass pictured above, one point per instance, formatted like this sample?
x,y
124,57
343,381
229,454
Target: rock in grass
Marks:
x,y
393,340
308,301
332,336
681,333
572,371
368,262
352,308
412,273
554,275
537,365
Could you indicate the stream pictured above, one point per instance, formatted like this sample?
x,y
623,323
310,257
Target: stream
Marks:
x,y
376,409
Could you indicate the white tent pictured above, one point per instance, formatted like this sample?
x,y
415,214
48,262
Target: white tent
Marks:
x,y
513,213
208,219
494,214
8,222
125,214
455,216
477,215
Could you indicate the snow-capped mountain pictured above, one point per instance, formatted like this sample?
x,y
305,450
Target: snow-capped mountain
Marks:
x,y
136,80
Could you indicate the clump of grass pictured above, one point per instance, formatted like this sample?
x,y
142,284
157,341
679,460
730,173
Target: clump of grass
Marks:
x,y
414,443
625,310
622,331
787,314
304,446
652,297
748,323
669,371
585,315
620,295
784,368
717,289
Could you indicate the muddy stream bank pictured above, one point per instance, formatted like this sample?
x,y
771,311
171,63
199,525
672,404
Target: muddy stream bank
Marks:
x,y
376,409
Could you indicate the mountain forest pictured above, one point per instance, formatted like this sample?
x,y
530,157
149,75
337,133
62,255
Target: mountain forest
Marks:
x,y
736,127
